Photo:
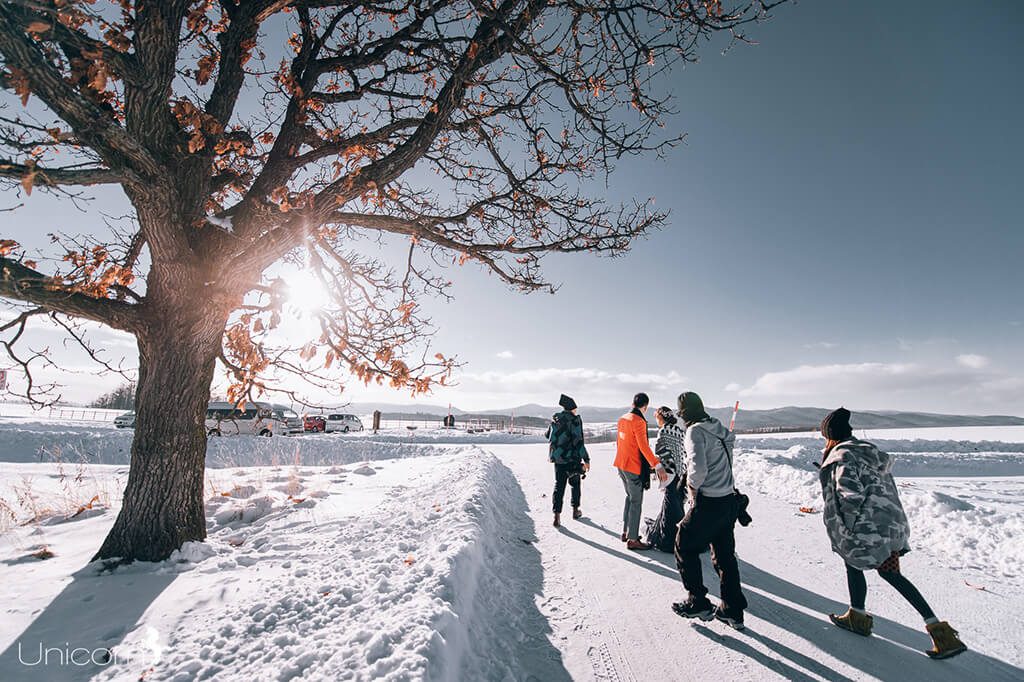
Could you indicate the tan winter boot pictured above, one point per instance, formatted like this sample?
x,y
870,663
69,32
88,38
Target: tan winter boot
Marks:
x,y
854,621
946,640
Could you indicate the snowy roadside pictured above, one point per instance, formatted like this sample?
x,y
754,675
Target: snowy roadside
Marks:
x,y
391,571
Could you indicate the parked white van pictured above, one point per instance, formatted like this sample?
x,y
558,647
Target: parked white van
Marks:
x,y
342,423
258,418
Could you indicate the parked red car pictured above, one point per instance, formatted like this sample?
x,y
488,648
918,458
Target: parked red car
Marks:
x,y
314,423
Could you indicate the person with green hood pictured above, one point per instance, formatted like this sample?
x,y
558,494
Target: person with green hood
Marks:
x,y
569,455
711,519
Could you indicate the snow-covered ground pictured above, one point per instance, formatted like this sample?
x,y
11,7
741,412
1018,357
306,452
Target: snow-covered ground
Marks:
x,y
387,571
1006,434
409,557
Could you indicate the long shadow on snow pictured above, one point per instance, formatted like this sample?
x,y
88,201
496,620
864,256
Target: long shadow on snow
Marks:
x,y
885,656
877,654
511,638
94,613
780,667
597,526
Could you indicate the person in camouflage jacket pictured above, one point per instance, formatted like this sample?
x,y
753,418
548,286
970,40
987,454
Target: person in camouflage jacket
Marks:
x,y
569,455
869,530
863,515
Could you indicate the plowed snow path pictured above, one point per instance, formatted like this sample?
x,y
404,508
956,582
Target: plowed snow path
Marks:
x,y
609,609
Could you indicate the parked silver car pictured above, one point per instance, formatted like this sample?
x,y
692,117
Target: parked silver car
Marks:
x,y
343,423
125,421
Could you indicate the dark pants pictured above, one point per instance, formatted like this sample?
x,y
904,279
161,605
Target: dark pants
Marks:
x,y
566,473
662,533
859,589
710,521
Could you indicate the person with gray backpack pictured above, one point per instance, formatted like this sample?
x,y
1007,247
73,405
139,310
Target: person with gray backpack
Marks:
x,y
715,507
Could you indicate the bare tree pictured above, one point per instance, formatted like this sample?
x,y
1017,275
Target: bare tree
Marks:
x,y
121,398
250,136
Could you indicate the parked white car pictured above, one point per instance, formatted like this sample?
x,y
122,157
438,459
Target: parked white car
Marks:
x,y
125,421
258,419
342,423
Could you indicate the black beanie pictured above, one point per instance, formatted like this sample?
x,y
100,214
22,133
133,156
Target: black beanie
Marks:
x,y
836,425
567,403
691,408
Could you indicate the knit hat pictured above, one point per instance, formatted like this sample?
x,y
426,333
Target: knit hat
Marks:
x,y
567,403
667,414
691,408
836,425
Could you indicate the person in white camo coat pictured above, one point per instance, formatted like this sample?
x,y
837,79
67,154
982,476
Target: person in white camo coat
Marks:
x,y
869,530
863,515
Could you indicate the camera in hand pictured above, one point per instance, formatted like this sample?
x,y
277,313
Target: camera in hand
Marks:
x,y
742,516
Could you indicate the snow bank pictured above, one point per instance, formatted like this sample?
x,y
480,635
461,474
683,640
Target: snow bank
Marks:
x,y
916,457
311,572
405,591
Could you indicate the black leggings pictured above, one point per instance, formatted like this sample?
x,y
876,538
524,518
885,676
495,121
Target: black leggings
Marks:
x,y
859,589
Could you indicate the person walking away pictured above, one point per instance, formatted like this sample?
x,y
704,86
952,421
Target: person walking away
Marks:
x,y
569,455
869,530
661,533
708,447
634,460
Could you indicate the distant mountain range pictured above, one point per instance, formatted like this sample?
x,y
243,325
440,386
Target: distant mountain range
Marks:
x,y
788,418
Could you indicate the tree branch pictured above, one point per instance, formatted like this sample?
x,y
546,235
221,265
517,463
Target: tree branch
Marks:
x,y
53,177
21,283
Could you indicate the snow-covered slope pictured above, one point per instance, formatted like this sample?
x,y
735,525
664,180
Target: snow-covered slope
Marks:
x,y
395,571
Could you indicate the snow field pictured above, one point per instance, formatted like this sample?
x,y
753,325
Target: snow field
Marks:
x,y
428,565
389,571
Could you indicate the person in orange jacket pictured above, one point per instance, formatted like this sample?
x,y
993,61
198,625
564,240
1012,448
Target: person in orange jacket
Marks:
x,y
634,459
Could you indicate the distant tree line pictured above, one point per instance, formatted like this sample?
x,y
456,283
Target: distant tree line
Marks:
x,y
121,398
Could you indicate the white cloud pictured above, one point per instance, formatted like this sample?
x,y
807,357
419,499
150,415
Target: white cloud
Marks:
x,y
963,387
505,355
973,361
823,345
814,379
733,387
527,379
587,385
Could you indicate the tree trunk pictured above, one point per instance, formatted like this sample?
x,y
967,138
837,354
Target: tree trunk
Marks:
x,y
163,501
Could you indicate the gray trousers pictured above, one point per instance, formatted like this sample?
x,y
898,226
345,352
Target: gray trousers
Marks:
x,y
634,504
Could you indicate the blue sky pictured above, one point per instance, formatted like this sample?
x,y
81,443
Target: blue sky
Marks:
x,y
845,228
